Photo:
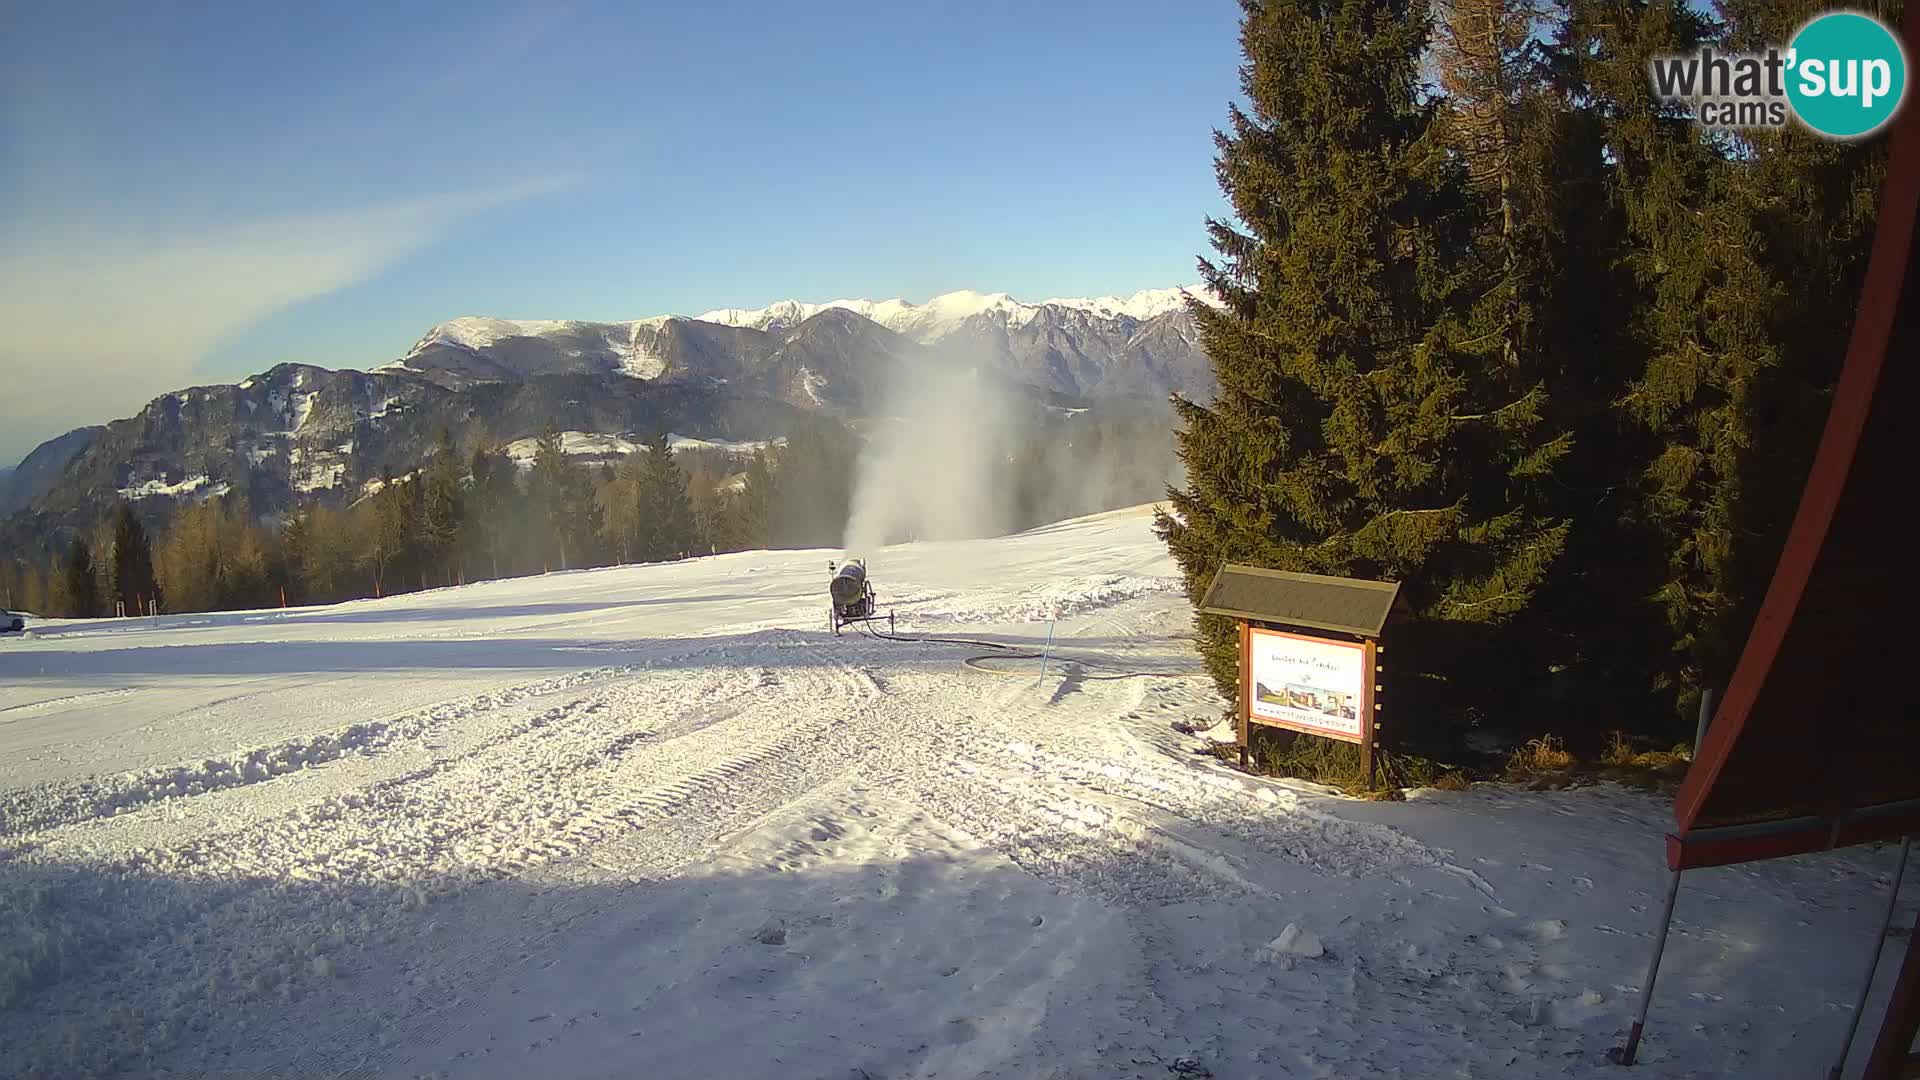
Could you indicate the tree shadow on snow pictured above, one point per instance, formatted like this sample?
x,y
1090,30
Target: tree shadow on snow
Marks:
x,y
368,613
820,954
797,648
879,968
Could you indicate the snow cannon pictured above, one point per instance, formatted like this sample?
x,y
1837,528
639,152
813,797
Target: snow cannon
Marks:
x,y
850,586
852,596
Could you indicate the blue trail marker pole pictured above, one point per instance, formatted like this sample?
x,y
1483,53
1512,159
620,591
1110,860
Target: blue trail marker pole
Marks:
x,y
1046,653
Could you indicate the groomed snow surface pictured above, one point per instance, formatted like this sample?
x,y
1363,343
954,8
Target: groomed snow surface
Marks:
x,y
657,821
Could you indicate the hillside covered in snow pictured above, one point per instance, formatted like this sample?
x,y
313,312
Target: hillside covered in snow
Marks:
x,y
659,821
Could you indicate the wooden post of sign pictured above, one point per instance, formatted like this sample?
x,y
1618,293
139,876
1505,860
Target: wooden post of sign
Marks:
x,y
1244,721
1368,721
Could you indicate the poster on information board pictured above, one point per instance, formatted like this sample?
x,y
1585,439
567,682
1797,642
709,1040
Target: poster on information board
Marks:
x,y
1314,685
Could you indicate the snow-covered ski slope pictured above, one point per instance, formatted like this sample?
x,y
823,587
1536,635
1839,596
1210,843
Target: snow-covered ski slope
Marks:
x,y
659,822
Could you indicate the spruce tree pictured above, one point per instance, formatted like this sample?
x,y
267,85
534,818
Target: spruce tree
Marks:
x,y
13,583
390,529
1745,253
79,589
750,511
442,507
133,579
318,544
708,504
37,589
563,498
622,508
1808,205
1664,177
494,495
1554,309
1357,430
666,518
815,496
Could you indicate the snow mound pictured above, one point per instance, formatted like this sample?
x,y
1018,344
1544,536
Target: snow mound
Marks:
x,y
1293,941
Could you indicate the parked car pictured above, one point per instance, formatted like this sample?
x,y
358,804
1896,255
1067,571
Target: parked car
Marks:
x,y
11,623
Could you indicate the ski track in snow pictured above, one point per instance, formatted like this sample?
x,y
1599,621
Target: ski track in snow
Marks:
x,y
697,836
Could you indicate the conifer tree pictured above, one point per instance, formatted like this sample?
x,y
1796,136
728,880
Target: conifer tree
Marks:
x,y
14,572
815,487
564,500
319,545
1665,179
750,512
707,504
1554,307
622,506
214,556
494,495
442,507
79,590
36,590
1745,253
24,587
133,578
390,528
1802,209
1356,431
666,518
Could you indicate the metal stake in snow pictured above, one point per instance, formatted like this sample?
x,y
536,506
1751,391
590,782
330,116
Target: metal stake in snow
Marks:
x,y
1873,963
1048,651
1623,1055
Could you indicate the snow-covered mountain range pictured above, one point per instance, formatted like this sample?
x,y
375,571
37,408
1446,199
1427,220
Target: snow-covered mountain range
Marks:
x,y
1139,346
296,433
949,312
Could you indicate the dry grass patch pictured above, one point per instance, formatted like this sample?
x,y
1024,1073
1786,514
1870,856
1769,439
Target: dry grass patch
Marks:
x,y
1542,756
1619,753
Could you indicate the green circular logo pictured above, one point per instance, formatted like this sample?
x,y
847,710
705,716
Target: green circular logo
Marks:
x,y
1847,74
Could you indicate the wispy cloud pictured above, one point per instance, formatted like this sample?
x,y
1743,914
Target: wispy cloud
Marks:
x,y
97,321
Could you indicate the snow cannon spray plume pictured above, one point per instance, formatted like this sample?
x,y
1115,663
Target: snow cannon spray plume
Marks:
x,y
934,469
963,452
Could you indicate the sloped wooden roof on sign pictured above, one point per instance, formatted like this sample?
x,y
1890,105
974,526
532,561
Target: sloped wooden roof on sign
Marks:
x,y
1344,605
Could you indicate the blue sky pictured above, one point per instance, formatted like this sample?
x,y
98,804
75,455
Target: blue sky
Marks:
x,y
191,193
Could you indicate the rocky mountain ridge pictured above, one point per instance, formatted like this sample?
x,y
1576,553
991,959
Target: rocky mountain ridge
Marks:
x,y
298,433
